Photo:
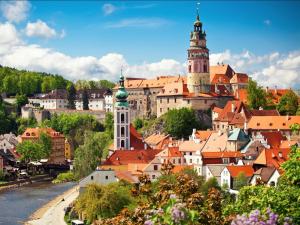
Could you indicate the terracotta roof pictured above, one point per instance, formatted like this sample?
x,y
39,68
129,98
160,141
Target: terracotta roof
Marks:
x,y
124,157
136,139
191,146
242,95
214,155
35,133
203,134
173,89
220,79
265,173
215,143
170,152
217,109
239,78
179,168
236,170
221,69
220,90
272,122
257,112
126,175
276,94
272,157
273,138
238,118
287,144
155,139
231,108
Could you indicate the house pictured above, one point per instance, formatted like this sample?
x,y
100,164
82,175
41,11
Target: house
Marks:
x,y
157,140
200,135
231,172
56,99
237,139
57,155
267,175
69,151
272,158
214,171
8,141
96,99
272,123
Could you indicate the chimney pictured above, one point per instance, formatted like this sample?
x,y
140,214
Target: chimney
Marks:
x,y
145,146
232,107
280,154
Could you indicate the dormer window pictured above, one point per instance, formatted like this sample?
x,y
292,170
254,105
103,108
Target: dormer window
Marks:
x,y
271,124
258,124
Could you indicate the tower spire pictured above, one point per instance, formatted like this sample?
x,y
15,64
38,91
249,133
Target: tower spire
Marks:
x,y
198,5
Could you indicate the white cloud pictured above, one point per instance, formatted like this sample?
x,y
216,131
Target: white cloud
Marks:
x,y
41,29
15,11
108,9
267,22
138,22
269,70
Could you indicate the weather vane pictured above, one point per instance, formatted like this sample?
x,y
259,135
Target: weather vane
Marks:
x,y
198,5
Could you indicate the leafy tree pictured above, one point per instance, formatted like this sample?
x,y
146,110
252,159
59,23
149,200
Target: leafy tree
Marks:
x,y
240,181
109,124
179,123
88,156
31,151
138,123
257,97
85,100
288,104
106,84
71,97
25,123
210,183
21,100
46,143
292,166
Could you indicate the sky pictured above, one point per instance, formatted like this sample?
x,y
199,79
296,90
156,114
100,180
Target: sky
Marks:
x,y
95,39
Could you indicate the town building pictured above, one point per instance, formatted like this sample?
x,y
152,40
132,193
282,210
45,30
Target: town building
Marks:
x,y
230,174
57,155
265,175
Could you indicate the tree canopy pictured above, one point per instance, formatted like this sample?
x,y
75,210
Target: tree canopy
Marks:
x,y
257,97
179,123
71,96
288,104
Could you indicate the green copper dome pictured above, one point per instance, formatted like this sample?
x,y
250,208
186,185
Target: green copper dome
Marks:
x,y
121,94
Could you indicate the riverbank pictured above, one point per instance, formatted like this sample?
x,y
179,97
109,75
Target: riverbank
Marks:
x,y
52,213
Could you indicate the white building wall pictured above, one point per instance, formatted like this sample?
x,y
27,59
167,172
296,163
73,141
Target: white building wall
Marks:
x,y
99,177
54,103
225,177
274,178
108,100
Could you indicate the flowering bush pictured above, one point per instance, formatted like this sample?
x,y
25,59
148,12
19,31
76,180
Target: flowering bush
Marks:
x,y
256,218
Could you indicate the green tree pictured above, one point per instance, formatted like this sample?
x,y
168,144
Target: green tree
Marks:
x,y
138,123
71,97
31,151
88,156
240,181
85,100
25,123
179,123
257,97
106,84
21,100
46,143
292,166
109,124
288,104
210,183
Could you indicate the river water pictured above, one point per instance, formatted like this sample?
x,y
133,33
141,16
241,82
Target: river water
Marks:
x,y
18,204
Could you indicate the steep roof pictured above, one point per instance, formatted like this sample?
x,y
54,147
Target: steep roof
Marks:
x,y
272,157
179,168
220,79
258,112
273,138
136,139
155,139
236,170
56,94
170,152
35,133
272,122
216,142
238,134
191,146
239,78
221,69
216,170
127,176
203,134
242,95
217,155
125,157
265,173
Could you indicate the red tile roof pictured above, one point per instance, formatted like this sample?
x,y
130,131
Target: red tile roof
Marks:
x,y
124,157
126,175
257,112
180,168
236,170
213,155
221,69
239,78
35,133
272,122
273,138
220,79
272,157
136,139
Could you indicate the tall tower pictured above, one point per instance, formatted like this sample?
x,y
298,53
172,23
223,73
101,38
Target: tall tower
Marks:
x,y
198,79
121,118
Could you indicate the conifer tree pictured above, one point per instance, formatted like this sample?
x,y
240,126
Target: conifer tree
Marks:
x,y
85,100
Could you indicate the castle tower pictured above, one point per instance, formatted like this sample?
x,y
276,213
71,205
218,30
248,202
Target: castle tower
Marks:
x,y
198,79
121,118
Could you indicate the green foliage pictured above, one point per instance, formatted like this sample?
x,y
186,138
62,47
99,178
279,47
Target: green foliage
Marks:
x,y
138,123
292,166
88,156
1,175
210,183
82,84
13,81
46,143
85,100
31,151
240,181
179,123
99,201
257,97
109,124
288,104
25,123
7,120
71,96
64,177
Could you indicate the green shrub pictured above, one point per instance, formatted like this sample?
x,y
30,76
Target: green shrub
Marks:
x,y
64,177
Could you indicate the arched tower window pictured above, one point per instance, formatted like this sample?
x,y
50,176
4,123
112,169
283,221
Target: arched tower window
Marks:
x,y
190,68
122,118
205,68
122,131
122,143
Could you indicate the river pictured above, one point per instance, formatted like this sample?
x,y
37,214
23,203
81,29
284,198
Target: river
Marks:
x,y
18,204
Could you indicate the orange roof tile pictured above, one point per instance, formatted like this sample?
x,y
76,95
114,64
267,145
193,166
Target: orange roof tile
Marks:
x,y
191,146
170,152
35,133
272,122
239,78
236,170
242,95
221,69
287,144
214,155
155,139
173,89
179,168
136,139
273,138
203,134
272,157
220,79
126,175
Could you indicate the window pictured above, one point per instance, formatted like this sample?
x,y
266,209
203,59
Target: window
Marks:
x,y
122,131
92,177
155,167
160,109
184,160
205,68
122,118
160,100
205,101
174,161
174,100
198,160
153,176
191,161
188,101
106,177
191,153
190,68
179,161
225,160
122,144
167,100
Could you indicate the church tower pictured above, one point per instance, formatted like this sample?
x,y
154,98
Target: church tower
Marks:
x,y
121,118
198,78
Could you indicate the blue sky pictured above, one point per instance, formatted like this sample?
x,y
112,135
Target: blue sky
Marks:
x,y
230,25
99,37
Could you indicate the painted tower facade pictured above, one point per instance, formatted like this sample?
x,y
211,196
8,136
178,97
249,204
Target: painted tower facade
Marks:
x,y
121,118
198,78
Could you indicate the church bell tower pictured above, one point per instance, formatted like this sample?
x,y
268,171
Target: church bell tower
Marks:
x,y
198,78
121,118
